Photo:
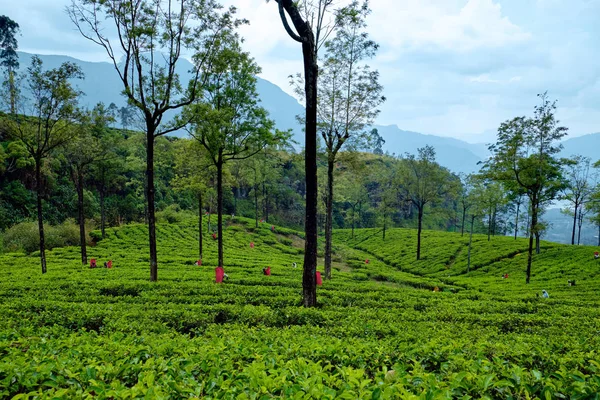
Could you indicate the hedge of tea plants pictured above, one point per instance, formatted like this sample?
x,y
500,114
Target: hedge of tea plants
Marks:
x,y
380,331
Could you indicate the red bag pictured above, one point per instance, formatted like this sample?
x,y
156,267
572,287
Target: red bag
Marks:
x,y
319,280
219,273
267,271
251,245
109,264
93,263
367,261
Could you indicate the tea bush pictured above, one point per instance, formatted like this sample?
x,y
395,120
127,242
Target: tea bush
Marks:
x,y
379,332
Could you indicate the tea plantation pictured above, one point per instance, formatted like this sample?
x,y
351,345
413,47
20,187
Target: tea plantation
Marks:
x,y
380,331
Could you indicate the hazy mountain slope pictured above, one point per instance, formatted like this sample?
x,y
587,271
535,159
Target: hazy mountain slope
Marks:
x,y
102,84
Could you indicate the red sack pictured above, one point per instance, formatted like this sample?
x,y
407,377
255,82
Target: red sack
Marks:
x,y
214,236
93,263
219,273
267,271
319,280
109,264
198,263
367,261
251,245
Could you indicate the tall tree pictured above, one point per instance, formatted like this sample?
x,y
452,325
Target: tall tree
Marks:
x,y
525,156
52,110
8,56
578,187
312,27
152,34
348,96
194,172
423,181
88,146
228,121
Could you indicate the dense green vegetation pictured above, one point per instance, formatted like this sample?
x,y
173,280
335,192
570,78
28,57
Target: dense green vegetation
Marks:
x,y
380,330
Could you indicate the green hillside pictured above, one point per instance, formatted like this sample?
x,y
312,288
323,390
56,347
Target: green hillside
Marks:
x,y
380,330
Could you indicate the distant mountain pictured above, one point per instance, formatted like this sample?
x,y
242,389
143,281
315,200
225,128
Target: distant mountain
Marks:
x,y
586,145
102,84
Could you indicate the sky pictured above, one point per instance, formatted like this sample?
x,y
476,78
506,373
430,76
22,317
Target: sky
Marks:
x,y
449,67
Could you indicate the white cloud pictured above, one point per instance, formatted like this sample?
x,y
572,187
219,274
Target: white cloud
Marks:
x,y
452,25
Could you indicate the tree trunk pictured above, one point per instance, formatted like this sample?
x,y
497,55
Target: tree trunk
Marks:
x,y
462,226
150,216
200,216
489,223
102,212
220,210
574,224
266,205
256,204
82,241
420,226
579,223
598,234
470,241
495,213
353,219
39,187
517,220
531,233
329,219
384,223
309,278
537,243
12,91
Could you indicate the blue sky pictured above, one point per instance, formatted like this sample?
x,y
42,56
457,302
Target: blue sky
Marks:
x,y
450,67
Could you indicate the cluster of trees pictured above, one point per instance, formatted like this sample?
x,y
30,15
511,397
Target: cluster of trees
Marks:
x,y
234,159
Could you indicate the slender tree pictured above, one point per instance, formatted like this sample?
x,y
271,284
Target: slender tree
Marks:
x,y
229,122
9,58
423,181
525,156
52,111
312,27
348,96
194,173
151,37
88,146
578,187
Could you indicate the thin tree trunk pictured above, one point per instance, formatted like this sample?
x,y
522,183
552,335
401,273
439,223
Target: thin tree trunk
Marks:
x,y
419,229
574,224
462,226
39,187
102,212
220,210
489,223
517,220
531,233
256,204
580,223
82,241
329,219
598,234
353,219
537,243
384,223
150,203
12,90
200,217
309,278
470,241
495,213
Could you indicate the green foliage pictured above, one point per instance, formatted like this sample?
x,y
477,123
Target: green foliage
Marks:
x,y
26,237
379,331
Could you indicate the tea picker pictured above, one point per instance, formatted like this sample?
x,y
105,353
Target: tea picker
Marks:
x,y
545,294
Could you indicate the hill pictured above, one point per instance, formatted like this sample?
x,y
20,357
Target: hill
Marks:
x,y
380,331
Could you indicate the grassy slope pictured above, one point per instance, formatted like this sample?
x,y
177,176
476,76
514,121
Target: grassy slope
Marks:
x,y
113,333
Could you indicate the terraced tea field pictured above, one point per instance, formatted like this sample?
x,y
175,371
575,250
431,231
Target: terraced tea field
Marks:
x,y
380,331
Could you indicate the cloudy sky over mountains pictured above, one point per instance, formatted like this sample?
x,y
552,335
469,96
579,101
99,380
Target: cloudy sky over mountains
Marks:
x,y
449,67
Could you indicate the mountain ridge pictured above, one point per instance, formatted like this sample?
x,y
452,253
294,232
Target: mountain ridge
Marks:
x,y
102,84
